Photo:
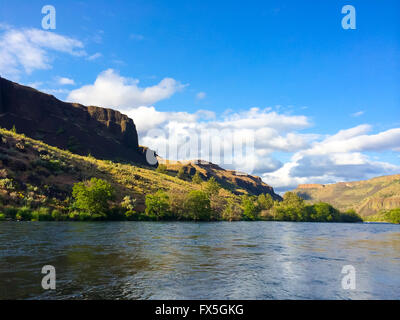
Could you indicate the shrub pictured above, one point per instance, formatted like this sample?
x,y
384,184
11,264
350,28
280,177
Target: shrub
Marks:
x,y
350,216
393,216
57,215
218,204
211,187
74,215
157,205
8,184
128,203
10,212
85,216
24,213
93,196
232,211
131,215
41,214
177,200
162,168
181,173
2,216
198,206
196,178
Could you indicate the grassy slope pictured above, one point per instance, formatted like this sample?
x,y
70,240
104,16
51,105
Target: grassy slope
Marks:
x,y
44,172
36,173
367,197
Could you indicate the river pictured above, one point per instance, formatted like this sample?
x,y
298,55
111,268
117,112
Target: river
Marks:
x,y
179,260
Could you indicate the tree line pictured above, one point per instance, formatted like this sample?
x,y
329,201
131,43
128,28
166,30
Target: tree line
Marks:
x,y
94,200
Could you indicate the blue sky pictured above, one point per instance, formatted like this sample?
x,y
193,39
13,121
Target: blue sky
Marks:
x,y
228,57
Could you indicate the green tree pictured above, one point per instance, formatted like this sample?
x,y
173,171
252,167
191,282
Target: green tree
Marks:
x,y
157,205
265,201
196,178
232,211
250,210
292,208
212,187
393,216
324,212
198,205
177,199
93,196
350,216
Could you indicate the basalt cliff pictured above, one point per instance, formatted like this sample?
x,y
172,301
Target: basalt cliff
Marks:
x,y
102,133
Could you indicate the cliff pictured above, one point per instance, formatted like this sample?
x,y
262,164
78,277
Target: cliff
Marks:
x,y
103,133
367,197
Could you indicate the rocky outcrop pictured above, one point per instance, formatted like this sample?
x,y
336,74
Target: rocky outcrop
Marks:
x,y
103,133
238,183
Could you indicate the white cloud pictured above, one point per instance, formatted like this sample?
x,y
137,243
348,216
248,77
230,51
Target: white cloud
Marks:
x,y
200,95
95,56
357,114
338,158
28,49
315,158
65,81
112,90
203,135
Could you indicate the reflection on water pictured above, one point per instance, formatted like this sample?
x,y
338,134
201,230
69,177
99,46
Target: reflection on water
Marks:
x,y
243,260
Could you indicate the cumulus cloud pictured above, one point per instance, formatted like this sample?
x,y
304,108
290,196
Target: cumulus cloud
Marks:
x,y
112,90
65,81
251,140
237,141
222,139
338,157
28,49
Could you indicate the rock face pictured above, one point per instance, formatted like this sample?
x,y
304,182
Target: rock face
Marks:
x,y
103,133
238,183
367,197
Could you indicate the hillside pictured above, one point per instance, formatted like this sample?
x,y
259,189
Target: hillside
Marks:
x,y
367,197
229,179
103,133
34,173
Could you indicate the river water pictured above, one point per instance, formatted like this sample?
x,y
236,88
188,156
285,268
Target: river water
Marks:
x,y
179,260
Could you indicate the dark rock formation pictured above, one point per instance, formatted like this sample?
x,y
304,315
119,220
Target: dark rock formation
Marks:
x,y
103,133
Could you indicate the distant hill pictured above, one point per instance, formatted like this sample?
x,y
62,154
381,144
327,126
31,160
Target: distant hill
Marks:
x,y
103,133
367,197
238,183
